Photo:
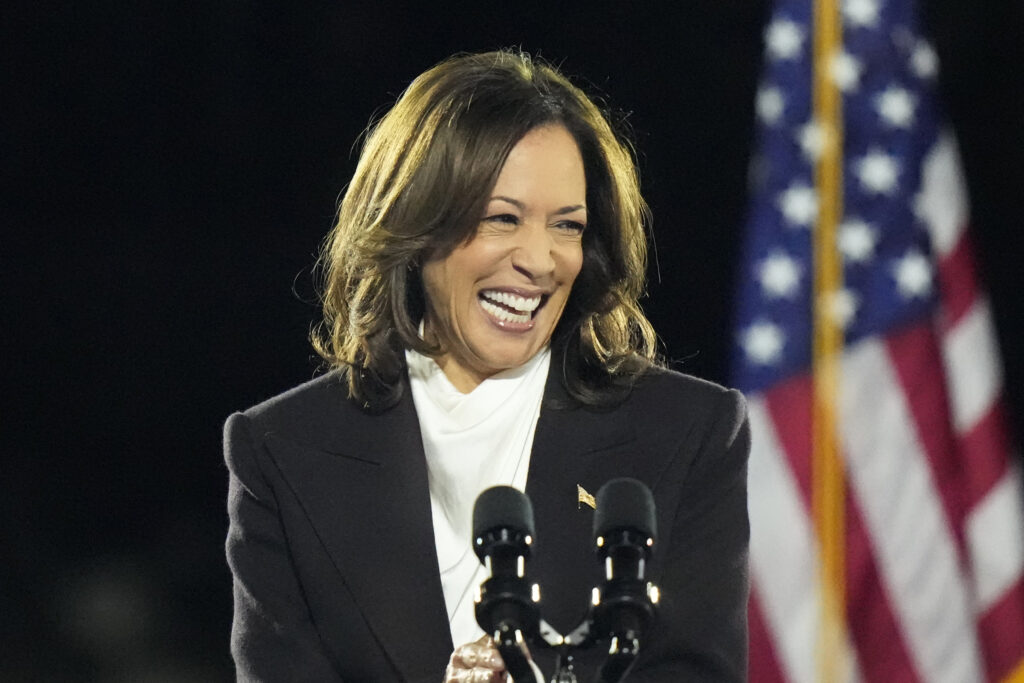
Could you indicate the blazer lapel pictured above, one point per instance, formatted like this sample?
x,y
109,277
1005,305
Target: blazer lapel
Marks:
x,y
573,447
364,489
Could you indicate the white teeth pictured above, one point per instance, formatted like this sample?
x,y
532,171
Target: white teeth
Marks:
x,y
520,303
503,313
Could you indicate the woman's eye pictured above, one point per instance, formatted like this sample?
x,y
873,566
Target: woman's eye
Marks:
x,y
506,218
574,227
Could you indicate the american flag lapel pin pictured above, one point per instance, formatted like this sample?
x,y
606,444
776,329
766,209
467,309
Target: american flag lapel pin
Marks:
x,y
584,498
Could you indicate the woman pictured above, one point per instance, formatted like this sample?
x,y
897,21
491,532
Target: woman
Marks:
x,y
482,325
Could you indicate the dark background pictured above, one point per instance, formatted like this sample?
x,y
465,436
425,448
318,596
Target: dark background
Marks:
x,y
168,173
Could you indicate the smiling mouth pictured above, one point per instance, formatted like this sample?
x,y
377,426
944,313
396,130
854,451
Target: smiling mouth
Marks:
x,y
511,308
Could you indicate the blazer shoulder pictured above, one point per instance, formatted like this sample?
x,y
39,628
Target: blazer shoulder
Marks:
x,y
671,404
670,389
303,407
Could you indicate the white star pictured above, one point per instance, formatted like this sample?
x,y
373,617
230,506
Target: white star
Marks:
x,y
896,107
779,275
857,240
877,172
812,138
845,70
923,61
913,275
799,204
861,12
841,306
770,104
784,39
763,342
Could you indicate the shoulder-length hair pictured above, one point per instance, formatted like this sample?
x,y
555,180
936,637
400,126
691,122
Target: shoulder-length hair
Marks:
x,y
420,188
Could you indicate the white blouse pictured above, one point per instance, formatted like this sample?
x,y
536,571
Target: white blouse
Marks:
x,y
472,442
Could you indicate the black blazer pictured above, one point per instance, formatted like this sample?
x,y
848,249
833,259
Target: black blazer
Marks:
x,y
332,550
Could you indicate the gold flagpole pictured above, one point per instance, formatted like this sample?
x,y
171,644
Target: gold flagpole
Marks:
x,y
828,496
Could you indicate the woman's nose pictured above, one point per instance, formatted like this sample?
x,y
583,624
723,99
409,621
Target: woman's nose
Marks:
x,y
533,253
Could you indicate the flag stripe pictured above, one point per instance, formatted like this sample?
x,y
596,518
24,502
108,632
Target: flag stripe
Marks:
x,y
981,451
993,533
942,204
957,282
894,485
1002,633
782,552
915,356
763,664
973,374
789,406
873,626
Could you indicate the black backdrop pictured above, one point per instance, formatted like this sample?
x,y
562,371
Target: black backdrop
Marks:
x,y
168,174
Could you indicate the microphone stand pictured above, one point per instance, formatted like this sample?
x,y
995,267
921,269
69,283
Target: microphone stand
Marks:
x,y
622,652
564,672
512,646
623,607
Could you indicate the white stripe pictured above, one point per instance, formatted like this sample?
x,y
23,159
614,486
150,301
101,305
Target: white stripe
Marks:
x,y
994,539
942,203
782,552
972,365
912,543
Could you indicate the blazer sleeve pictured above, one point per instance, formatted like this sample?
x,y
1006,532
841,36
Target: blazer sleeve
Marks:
x,y
702,627
272,634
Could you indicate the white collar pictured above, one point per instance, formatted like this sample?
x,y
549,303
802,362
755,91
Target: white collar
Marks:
x,y
472,442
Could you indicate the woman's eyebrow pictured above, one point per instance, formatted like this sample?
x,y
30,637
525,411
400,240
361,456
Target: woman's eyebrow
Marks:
x,y
514,202
519,205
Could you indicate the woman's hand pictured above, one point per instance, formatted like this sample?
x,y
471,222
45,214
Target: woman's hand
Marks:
x,y
477,662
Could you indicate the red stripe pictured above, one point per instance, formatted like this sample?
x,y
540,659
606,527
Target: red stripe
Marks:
x,y
874,631
789,405
884,655
958,281
916,358
763,664
985,450
1001,630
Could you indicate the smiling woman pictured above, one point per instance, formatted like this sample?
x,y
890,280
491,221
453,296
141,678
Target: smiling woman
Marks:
x,y
429,174
494,300
482,327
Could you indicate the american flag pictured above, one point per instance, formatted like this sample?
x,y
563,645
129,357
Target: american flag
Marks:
x,y
928,581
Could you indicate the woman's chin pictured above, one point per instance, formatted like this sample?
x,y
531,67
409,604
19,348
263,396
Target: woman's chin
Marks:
x,y
508,361
500,355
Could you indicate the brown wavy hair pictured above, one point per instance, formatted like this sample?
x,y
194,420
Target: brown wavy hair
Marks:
x,y
420,188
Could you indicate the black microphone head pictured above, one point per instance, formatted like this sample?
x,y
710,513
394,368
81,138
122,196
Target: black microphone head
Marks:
x,y
624,503
505,603
502,507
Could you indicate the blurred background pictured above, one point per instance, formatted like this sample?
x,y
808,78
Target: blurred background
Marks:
x,y
169,171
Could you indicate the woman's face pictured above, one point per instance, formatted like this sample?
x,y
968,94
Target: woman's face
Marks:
x,y
494,301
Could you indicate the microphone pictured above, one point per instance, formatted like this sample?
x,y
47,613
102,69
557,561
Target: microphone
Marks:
x,y
624,606
506,604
